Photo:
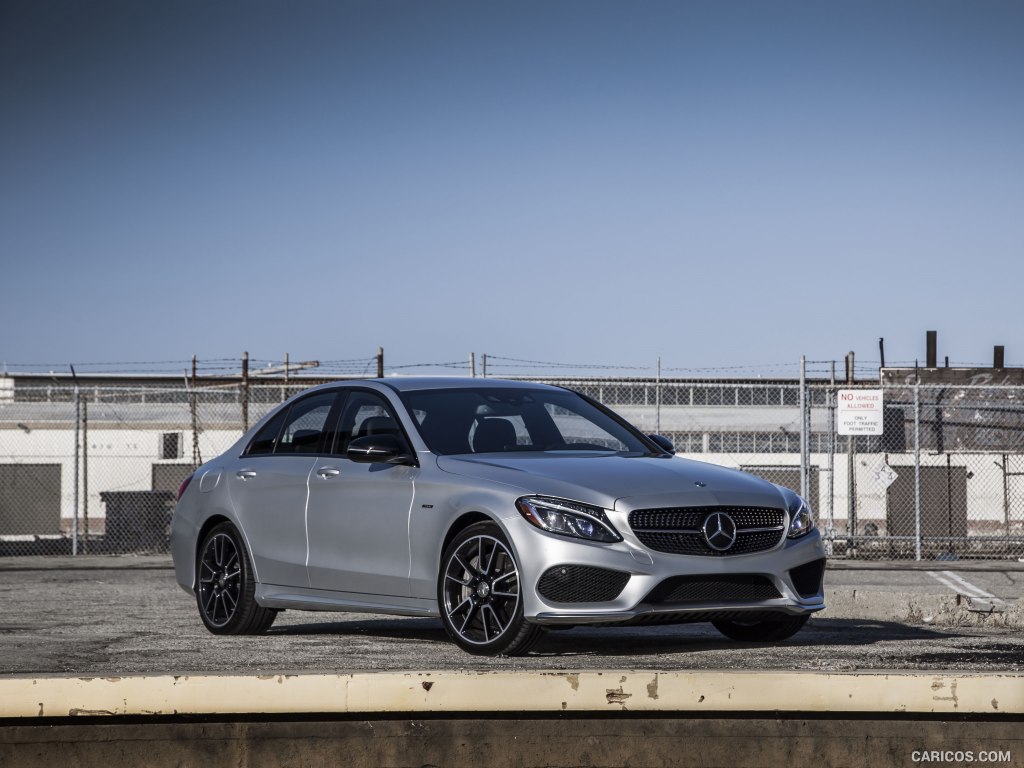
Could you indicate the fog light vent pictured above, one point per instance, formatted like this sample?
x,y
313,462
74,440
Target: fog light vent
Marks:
x,y
581,584
807,577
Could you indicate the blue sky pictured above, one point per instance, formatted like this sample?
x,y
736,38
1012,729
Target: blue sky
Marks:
x,y
718,183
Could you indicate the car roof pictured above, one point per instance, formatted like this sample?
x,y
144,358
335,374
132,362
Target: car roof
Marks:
x,y
418,383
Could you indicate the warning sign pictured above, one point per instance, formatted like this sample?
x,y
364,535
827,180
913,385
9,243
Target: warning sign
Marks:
x,y
859,412
884,474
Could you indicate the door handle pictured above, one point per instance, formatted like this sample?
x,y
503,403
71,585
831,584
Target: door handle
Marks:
x,y
327,472
246,474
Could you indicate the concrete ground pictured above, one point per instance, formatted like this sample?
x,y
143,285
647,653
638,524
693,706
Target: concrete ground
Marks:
x,y
125,615
104,662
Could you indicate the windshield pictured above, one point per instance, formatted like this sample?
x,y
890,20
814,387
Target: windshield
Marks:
x,y
456,421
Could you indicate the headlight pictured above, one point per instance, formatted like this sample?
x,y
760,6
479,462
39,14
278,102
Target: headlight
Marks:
x,y
568,518
801,521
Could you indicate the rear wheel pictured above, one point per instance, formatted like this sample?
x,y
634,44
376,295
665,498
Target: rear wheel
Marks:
x,y
767,631
480,595
226,593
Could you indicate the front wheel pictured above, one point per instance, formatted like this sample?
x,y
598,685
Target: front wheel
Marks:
x,y
479,594
226,592
767,631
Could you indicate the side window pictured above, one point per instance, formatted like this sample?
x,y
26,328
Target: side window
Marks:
x,y
366,413
264,441
305,426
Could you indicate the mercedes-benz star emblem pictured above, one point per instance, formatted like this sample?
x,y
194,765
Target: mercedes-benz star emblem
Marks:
x,y
719,531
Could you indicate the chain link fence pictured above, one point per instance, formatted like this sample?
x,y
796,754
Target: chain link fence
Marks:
x,y
942,481
96,469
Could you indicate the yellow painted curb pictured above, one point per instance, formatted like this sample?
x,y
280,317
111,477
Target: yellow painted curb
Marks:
x,y
423,692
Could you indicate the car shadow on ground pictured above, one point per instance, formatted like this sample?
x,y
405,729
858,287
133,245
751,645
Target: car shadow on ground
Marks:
x,y
635,641
390,627
690,638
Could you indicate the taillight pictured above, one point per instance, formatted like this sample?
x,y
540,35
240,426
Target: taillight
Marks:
x,y
184,485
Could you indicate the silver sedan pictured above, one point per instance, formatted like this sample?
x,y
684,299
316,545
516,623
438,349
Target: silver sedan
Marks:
x,y
501,507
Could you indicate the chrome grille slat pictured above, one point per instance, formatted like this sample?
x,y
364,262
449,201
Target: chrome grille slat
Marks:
x,y
677,530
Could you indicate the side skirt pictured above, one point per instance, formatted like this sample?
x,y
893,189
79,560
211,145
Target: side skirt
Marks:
x,y
297,598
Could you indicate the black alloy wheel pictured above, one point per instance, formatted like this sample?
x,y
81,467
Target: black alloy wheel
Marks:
x,y
226,590
480,595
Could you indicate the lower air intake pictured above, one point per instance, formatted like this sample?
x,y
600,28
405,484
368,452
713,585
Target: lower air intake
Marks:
x,y
737,588
581,584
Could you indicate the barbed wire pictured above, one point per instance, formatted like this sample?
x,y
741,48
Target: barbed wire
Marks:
x,y
549,364
352,366
365,365
458,364
734,368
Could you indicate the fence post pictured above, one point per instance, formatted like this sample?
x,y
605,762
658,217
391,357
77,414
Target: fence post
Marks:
x,y
287,366
78,421
85,476
245,392
657,400
917,467
831,532
193,401
804,444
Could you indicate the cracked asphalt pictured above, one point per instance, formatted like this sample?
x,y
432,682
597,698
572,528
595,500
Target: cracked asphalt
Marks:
x,y
110,621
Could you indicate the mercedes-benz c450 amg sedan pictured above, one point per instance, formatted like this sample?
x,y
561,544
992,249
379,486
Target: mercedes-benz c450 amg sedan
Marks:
x,y
500,507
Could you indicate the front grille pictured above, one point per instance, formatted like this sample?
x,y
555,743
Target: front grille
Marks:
x,y
731,588
677,530
807,577
581,584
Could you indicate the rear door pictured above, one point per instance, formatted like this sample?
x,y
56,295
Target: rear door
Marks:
x,y
358,514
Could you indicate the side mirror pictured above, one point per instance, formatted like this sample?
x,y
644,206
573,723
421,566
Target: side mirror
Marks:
x,y
664,443
379,449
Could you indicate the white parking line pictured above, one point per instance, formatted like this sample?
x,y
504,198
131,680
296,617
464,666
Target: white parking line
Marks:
x,y
961,586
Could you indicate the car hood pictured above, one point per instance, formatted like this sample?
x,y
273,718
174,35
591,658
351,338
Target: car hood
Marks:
x,y
618,482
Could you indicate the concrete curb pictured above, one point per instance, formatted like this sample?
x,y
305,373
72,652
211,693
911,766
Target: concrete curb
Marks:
x,y
87,563
510,692
964,566
940,610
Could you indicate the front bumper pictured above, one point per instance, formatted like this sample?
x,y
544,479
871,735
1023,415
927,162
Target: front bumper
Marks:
x,y
646,596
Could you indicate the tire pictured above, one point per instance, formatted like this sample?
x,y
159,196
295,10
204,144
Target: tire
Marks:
x,y
479,595
767,631
226,589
